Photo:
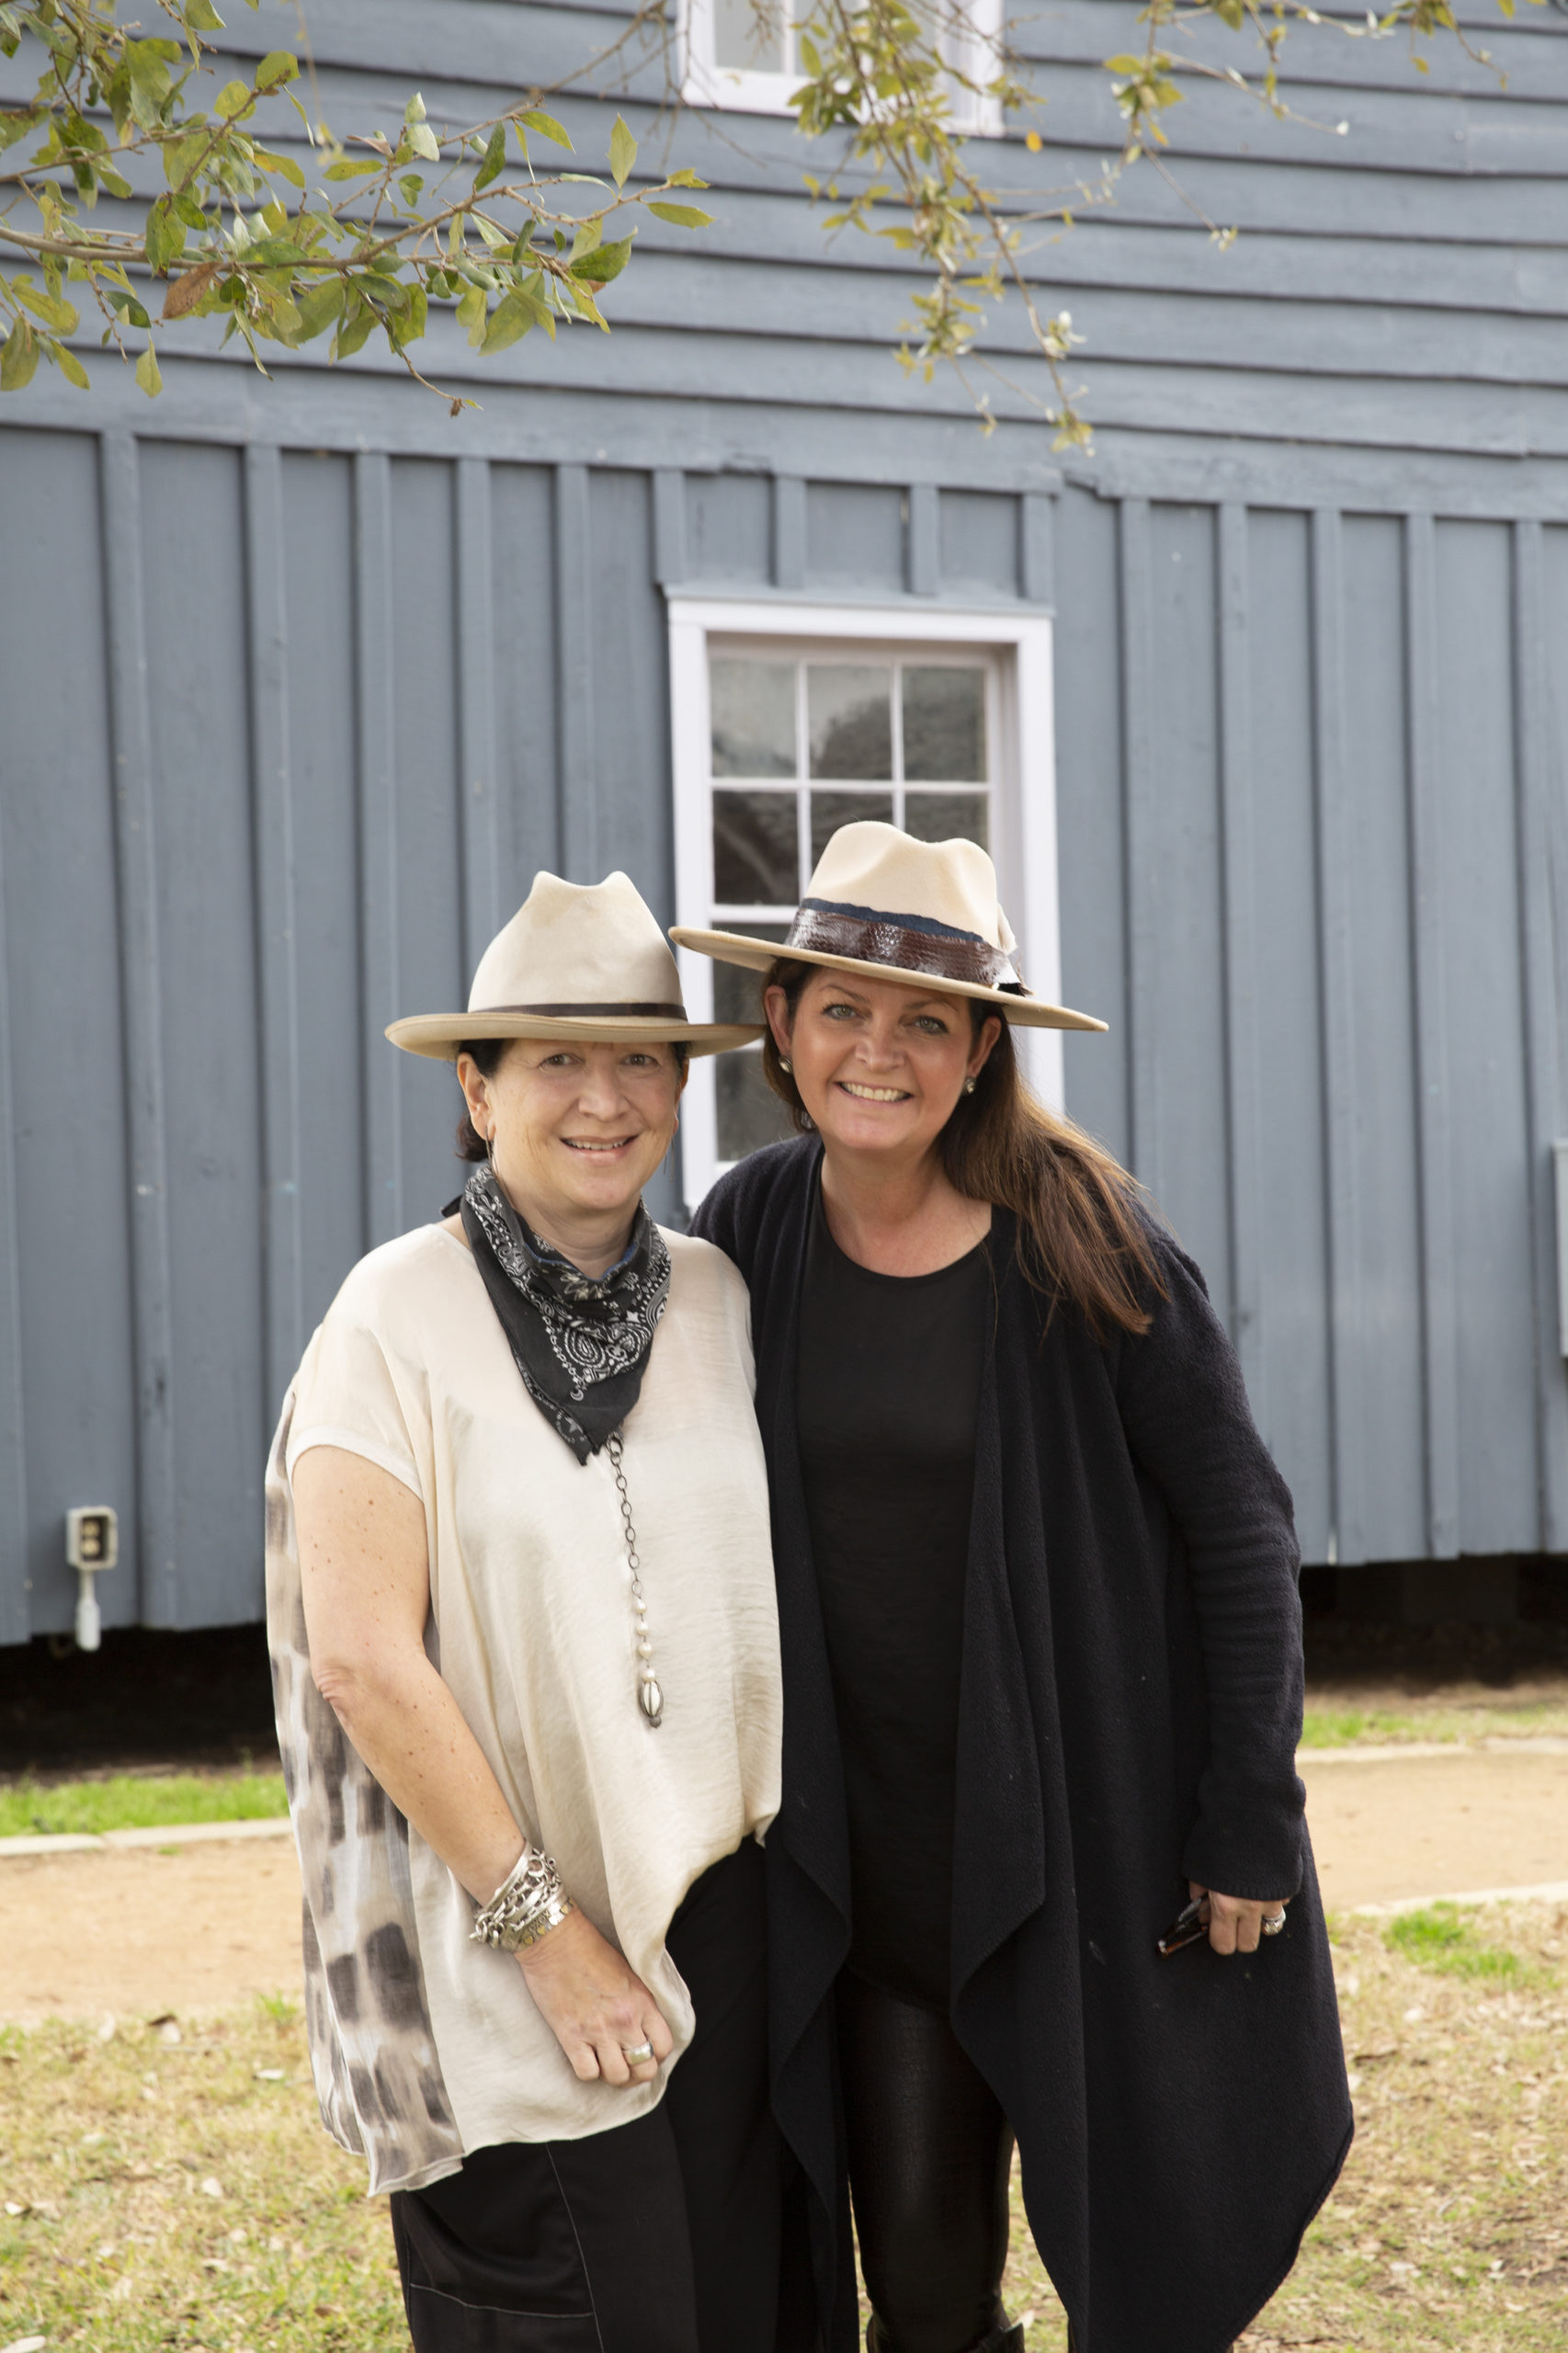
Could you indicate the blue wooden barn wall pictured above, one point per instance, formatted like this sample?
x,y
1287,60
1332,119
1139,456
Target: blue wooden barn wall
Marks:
x,y
342,674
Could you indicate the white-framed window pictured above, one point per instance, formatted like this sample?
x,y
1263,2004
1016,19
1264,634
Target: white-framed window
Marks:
x,y
744,55
789,721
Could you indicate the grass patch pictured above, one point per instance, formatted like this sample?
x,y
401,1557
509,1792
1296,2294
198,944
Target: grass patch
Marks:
x,y
174,2187
1448,2230
131,1801
1441,1936
1340,1721
1345,1727
181,2191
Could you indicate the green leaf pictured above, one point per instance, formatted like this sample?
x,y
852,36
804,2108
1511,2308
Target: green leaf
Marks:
x,y
70,367
409,324
589,238
147,374
684,216
18,358
115,185
276,68
202,17
232,101
17,126
497,239
603,263
687,177
182,155
471,313
355,332
54,312
420,140
546,127
166,235
494,158
273,252
414,110
412,187
130,310
510,323
350,171
622,152
318,307
282,167
190,213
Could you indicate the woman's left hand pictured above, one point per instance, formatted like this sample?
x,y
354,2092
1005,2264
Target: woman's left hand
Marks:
x,y
1235,1922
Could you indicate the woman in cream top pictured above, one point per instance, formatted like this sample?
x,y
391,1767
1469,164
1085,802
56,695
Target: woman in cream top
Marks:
x,y
525,1653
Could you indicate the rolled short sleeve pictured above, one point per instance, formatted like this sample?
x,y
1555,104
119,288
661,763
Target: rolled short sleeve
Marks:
x,y
347,1394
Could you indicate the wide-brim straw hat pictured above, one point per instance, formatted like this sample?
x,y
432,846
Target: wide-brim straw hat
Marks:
x,y
580,961
882,903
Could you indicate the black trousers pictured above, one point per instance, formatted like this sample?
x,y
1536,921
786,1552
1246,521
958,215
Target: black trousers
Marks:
x,y
661,2235
929,2155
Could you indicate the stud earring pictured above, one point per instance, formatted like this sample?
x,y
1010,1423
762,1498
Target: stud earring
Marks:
x,y
785,1063
970,1085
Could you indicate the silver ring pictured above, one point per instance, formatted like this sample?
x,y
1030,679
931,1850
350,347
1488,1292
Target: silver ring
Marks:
x,y
1272,1923
638,2054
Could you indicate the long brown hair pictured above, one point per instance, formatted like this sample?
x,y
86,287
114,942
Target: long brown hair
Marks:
x,y
1082,1233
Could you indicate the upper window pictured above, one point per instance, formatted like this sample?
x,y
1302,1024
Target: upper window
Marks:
x,y
789,720
744,54
798,747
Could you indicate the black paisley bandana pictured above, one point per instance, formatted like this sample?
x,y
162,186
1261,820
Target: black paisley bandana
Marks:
x,y
579,1341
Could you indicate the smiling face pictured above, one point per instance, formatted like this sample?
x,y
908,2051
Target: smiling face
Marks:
x,y
879,1067
578,1130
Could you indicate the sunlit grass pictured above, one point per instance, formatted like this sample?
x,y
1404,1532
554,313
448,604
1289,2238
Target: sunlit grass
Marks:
x,y
135,1801
181,2193
1442,1937
1439,1718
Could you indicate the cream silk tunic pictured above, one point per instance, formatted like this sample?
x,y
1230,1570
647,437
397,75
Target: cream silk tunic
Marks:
x,y
424,2045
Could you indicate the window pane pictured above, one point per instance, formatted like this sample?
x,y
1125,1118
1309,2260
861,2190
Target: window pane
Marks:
x,y
748,35
756,854
737,992
830,809
749,1112
850,709
944,817
754,717
944,726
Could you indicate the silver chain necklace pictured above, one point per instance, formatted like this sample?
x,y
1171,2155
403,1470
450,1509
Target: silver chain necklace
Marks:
x,y
650,1699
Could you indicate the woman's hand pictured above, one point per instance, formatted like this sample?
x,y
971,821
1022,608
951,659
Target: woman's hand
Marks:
x,y
1235,1922
596,2007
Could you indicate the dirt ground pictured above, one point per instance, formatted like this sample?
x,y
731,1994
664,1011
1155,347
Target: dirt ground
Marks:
x,y
199,1927
141,1931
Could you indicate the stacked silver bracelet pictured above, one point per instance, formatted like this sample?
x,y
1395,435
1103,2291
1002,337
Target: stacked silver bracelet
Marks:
x,y
530,1901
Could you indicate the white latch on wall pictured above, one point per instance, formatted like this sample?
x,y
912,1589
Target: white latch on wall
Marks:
x,y
92,1543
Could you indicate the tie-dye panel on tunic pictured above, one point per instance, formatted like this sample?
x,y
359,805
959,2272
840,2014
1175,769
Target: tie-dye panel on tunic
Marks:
x,y
372,2053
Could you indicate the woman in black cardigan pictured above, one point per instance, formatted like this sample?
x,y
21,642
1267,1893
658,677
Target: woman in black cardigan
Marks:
x,y
1041,1640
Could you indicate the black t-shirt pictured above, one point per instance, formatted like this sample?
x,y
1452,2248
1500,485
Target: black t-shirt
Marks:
x,y
889,1393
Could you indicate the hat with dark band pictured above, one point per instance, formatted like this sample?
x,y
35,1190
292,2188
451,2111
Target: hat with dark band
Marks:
x,y
882,903
579,962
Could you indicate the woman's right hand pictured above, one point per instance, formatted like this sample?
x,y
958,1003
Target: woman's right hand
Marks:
x,y
596,2007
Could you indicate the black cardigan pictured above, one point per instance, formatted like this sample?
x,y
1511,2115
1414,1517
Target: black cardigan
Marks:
x,y
1131,1703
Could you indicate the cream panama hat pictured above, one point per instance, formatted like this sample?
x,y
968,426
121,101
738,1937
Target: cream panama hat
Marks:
x,y
579,962
882,902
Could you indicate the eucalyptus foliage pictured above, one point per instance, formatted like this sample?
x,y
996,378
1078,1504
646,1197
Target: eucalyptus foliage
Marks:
x,y
468,216
483,217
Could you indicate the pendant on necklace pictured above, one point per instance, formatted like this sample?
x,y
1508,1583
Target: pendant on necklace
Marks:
x,y
650,1700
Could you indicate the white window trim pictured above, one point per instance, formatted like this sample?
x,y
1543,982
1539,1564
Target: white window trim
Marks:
x,y
1026,784
705,83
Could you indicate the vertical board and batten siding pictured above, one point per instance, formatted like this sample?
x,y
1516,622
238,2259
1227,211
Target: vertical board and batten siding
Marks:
x,y
343,673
